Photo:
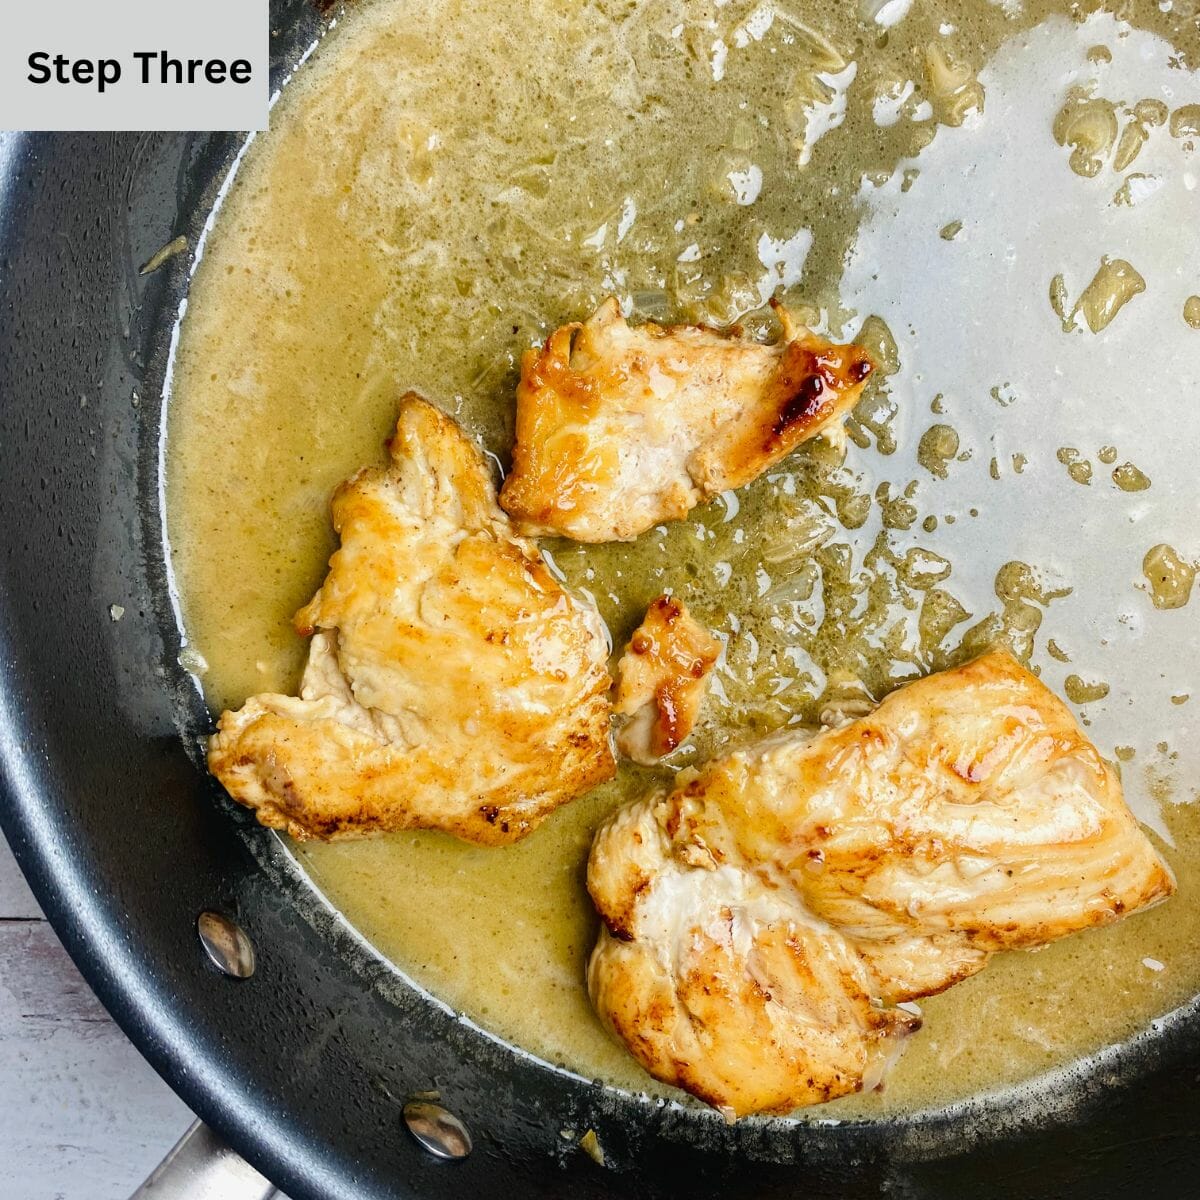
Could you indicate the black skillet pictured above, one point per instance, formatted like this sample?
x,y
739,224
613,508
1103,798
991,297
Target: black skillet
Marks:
x,y
305,1067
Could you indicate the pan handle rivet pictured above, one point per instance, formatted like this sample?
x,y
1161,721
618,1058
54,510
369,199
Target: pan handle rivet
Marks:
x,y
227,945
439,1131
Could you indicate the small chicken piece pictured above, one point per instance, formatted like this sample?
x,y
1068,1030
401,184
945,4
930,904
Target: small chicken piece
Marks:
x,y
967,814
451,682
661,680
619,429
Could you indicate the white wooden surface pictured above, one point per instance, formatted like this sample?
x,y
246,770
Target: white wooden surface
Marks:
x,y
82,1115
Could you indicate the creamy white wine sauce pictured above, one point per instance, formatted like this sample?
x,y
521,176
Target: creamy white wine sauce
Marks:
x,y
446,180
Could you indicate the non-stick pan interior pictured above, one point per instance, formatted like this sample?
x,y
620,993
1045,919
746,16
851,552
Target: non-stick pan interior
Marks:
x,y
305,1066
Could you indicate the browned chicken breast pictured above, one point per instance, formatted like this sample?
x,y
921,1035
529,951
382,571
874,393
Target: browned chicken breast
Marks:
x,y
661,680
619,429
720,981
760,919
451,682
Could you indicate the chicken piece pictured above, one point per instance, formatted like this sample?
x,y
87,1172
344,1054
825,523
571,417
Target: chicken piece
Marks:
x,y
451,682
619,429
720,981
966,814
661,680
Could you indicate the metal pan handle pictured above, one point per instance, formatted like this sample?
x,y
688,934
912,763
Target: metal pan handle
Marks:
x,y
201,1167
